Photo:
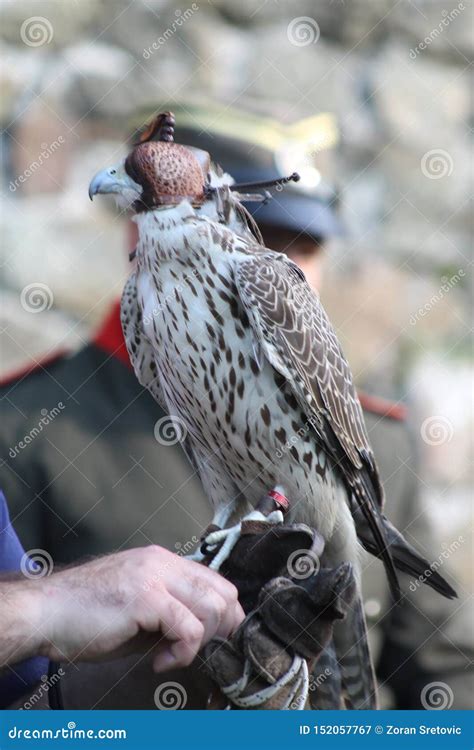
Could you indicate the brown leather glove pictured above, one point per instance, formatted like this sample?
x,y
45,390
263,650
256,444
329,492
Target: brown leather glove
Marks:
x,y
291,603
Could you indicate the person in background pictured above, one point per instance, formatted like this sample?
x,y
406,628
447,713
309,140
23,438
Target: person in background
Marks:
x,y
76,500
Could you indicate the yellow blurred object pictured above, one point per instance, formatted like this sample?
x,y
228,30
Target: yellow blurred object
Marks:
x,y
317,132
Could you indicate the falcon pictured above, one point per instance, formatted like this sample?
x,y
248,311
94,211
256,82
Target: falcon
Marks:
x,y
230,340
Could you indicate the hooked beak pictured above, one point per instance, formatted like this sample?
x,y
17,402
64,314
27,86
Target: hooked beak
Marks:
x,y
112,180
104,181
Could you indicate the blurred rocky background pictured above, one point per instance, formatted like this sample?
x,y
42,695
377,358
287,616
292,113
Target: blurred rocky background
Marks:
x,y
396,76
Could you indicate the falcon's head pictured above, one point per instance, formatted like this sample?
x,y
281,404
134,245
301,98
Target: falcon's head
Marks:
x,y
156,173
159,173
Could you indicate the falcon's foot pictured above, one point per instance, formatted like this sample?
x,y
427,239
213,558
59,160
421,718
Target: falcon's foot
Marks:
x,y
229,537
196,556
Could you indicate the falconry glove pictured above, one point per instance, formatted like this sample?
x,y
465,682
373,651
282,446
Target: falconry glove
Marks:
x,y
292,605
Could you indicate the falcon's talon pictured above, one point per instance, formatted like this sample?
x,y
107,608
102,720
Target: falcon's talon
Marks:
x,y
197,556
229,543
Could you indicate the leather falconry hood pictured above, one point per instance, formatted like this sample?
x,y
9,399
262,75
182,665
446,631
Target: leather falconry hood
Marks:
x,y
170,172
167,171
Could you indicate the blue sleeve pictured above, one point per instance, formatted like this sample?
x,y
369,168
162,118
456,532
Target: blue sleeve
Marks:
x,y
11,551
16,679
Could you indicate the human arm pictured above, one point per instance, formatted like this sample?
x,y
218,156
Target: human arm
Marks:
x,y
138,600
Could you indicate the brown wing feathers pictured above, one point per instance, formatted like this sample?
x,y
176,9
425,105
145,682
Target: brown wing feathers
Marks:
x,y
292,319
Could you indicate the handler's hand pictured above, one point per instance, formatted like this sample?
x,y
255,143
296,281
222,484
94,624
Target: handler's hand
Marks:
x,y
140,599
